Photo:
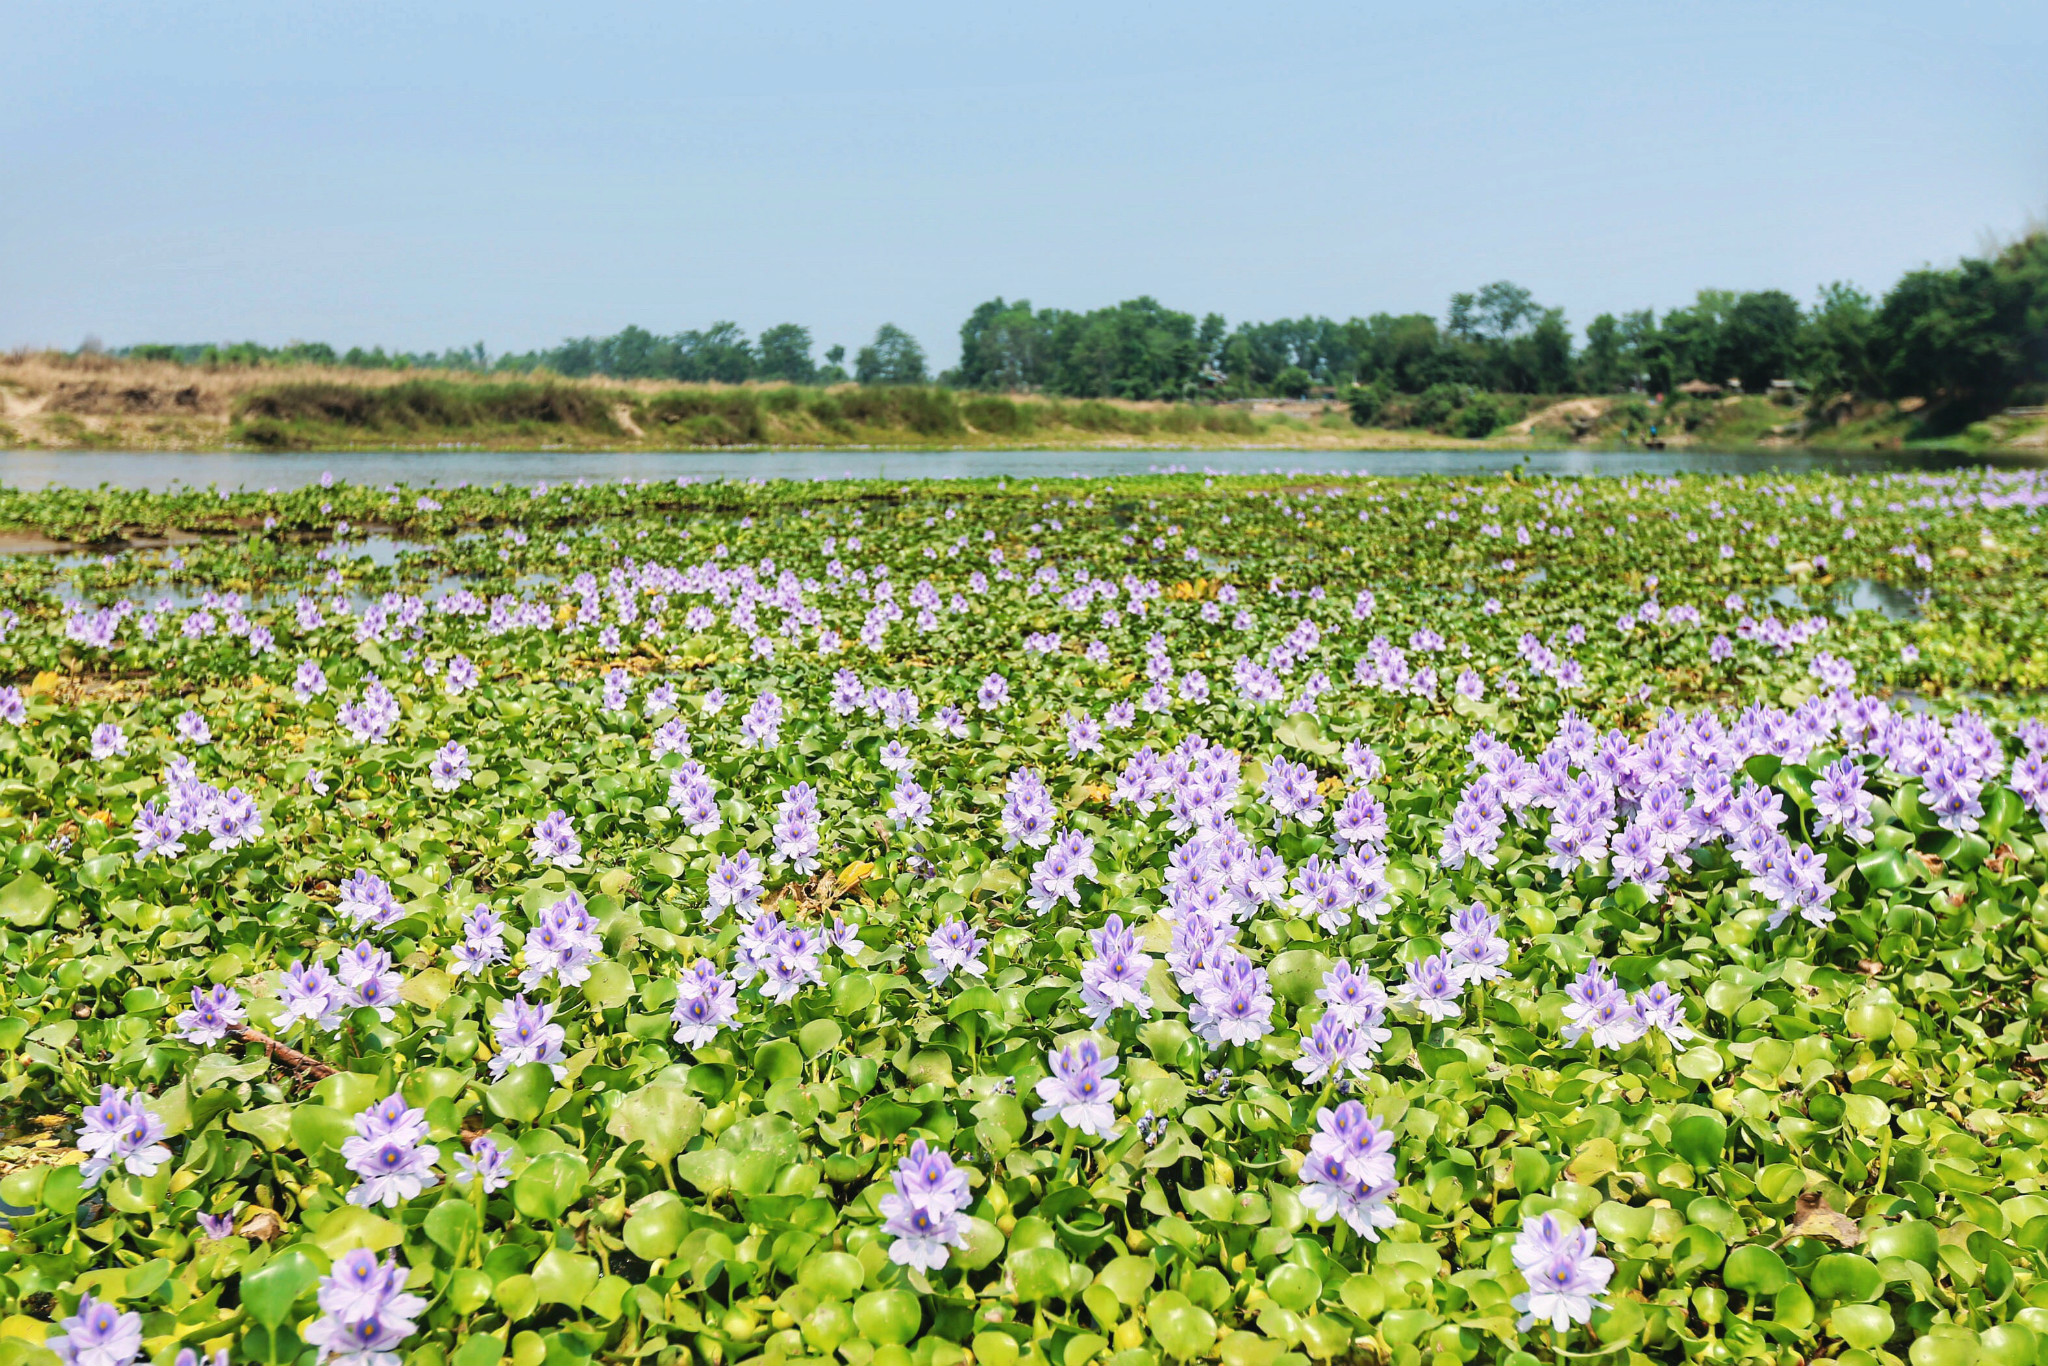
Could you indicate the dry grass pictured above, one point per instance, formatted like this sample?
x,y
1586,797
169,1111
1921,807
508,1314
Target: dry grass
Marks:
x,y
54,400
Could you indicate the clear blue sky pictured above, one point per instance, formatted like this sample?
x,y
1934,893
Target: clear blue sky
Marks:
x,y
425,175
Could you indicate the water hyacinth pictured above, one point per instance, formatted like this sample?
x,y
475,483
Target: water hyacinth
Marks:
x,y
1565,1272
810,834
922,1215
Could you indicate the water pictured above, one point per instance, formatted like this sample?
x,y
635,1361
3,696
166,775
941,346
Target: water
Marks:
x,y
249,470
1855,595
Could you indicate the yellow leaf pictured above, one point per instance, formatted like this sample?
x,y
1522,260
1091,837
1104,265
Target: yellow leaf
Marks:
x,y
853,874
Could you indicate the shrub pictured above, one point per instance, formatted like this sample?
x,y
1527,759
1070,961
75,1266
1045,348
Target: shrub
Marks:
x,y
738,412
1478,418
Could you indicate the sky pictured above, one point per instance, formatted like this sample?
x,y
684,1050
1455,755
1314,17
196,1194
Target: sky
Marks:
x,y
425,176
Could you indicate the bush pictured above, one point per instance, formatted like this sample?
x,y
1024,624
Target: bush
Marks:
x,y
1365,402
1434,407
1293,382
928,412
1230,422
782,400
738,413
1478,418
425,404
1093,415
999,416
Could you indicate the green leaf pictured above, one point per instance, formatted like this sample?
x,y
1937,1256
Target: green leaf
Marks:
x,y
521,1092
663,1117
1180,1327
564,1277
1699,1139
453,1225
1756,1269
270,1291
26,902
887,1316
270,1125
1846,1276
550,1186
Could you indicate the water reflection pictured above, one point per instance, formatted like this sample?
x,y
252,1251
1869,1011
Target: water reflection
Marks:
x,y
1855,595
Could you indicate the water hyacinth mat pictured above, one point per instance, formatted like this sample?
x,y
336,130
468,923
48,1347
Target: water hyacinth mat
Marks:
x,y
1258,920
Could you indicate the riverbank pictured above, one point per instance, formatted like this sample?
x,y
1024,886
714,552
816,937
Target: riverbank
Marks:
x,y
51,402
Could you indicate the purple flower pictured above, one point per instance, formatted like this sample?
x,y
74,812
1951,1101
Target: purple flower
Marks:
x,y
486,1162
310,992
1080,1089
954,947
1565,1273
121,1132
554,841
99,1334
706,1002
215,1227
1349,1171
735,883
923,1213
450,767
365,1313
108,741
1432,990
215,1012
388,1153
523,1034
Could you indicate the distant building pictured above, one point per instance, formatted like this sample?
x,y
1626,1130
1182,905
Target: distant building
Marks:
x,y
1699,388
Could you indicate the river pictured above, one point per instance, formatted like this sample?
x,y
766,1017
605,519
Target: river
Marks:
x,y
160,471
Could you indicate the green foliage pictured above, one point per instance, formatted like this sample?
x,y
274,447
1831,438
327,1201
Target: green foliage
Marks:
x,y
894,357
1844,1154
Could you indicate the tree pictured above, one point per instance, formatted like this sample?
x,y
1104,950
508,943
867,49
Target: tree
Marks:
x,y
1600,368
1758,341
894,357
1549,354
1834,343
1293,382
1006,347
786,354
1494,314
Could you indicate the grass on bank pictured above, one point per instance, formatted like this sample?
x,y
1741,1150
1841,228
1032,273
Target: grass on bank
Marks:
x,y
301,416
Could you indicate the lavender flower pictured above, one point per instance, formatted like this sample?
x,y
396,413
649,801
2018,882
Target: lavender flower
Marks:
x,y
1432,990
121,1132
99,1334
387,1151
215,1012
554,841
922,1214
954,947
365,1313
706,1002
450,767
1080,1089
486,1162
1565,1273
1349,1171
522,1034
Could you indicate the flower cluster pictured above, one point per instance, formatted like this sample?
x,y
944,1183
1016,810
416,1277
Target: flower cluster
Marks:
x,y
365,1311
922,1214
390,1153
1349,1171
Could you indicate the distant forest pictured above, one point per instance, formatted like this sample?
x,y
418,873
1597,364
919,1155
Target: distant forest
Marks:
x,y
1973,336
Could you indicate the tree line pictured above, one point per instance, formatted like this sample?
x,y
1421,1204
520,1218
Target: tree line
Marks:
x,y
1973,336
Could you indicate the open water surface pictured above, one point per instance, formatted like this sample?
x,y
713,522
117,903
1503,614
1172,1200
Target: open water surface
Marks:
x,y
249,470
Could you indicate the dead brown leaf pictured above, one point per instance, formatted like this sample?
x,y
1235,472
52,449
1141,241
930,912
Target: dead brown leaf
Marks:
x,y
1816,1218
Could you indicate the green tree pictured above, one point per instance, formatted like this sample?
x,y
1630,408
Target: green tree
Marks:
x,y
1006,347
1600,367
1759,340
894,357
1293,382
785,352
